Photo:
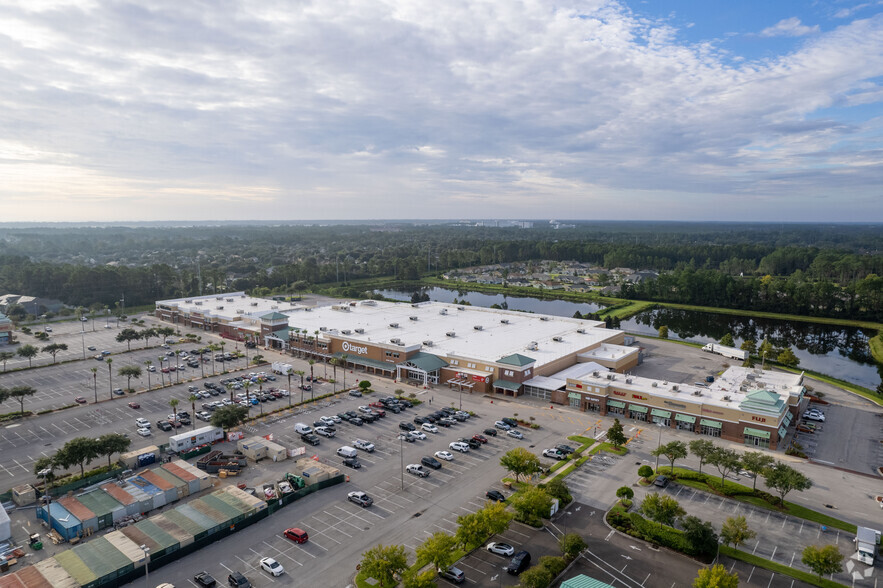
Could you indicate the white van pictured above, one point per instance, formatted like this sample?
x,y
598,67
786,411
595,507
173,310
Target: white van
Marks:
x,y
347,451
303,428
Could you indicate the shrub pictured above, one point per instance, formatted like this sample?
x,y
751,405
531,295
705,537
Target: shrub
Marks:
x,y
554,564
645,471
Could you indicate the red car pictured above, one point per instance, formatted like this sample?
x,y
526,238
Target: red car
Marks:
x,y
165,370
296,535
480,438
176,424
134,405
80,400
376,405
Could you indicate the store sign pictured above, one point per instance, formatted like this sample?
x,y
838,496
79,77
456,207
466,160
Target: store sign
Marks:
x,y
758,419
484,379
674,404
348,347
638,397
618,393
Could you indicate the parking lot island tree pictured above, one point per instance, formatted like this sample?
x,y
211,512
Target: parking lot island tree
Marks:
x,y
520,462
701,448
535,577
735,531
662,509
364,386
6,356
700,535
645,472
725,461
79,451
109,362
557,488
147,365
129,372
672,451
727,340
229,417
162,372
94,371
571,546
19,393
111,443
416,579
28,352
148,334
474,528
173,402
823,560
437,550
663,332
54,348
531,505
383,563
193,398
756,462
716,576
615,434
625,493
127,336
783,479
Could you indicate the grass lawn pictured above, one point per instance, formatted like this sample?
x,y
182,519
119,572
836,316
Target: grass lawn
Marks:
x,y
778,568
876,344
790,508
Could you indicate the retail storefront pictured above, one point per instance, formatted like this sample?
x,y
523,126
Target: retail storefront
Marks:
x,y
661,417
710,428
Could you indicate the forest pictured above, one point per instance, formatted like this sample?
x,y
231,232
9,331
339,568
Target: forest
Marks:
x,y
820,270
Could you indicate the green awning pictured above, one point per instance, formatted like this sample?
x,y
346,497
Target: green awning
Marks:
x,y
660,413
637,408
507,385
783,432
685,418
426,362
756,433
712,424
616,404
367,362
574,395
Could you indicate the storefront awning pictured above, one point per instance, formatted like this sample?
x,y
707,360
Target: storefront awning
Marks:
x,y
660,413
638,408
507,385
783,432
574,395
712,424
616,404
367,362
425,361
685,418
756,433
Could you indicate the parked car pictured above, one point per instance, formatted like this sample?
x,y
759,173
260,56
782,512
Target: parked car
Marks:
x,y
490,432
446,422
325,431
144,432
429,428
500,548
164,425
119,392
554,454
565,449
510,421
417,435
310,438
406,437
661,481
515,434
480,438
502,426
204,579
297,535
431,462
237,580
268,564
453,574
420,420
417,470
363,445
406,426
329,420
142,423
80,400
519,563
472,443
360,498
458,446
495,495
355,393
352,462
445,455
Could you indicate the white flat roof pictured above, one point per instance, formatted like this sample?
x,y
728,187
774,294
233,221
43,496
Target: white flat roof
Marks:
x,y
432,321
229,306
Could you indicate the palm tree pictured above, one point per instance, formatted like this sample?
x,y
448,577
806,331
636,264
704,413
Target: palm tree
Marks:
x,y
229,386
300,373
261,397
343,357
247,384
178,366
202,363
193,400
312,377
212,348
110,376
222,344
334,363
148,363
94,371
289,388
173,402
162,379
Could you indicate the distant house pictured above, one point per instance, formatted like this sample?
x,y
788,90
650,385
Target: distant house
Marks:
x,y
33,304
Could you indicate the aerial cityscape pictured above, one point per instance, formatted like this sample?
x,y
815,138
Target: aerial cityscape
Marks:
x,y
411,294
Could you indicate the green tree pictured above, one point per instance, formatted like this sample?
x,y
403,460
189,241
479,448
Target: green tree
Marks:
x,y
6,356
766,349
783,479
735,531
645,472
725,461
663,332
54,348
749,345
535,577
571,546
716,577
147,335
615,434
414,579
672,450
625,493
520,462
29,352
489,520
192,399
364,385
787,357
111,443
127,336
20,393
174,402
727,340
438,550
823,560
79,451
46,464
557,488
756,462
229,417
662,509
531,505
109,362
129,372
383,562
701,448
700,535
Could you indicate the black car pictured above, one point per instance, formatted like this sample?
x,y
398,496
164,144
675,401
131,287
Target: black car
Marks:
x,y
490,432
369,418
405,403
520,562
394,408
565,449
445,422
421,419
472,443
438,415
352,462
185,421
183,413
448,410
204,579
495,495
164,425
310,438
237,580
510,421
406,426
431,462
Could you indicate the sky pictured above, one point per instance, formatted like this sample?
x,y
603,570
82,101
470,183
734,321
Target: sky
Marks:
x,y
400,109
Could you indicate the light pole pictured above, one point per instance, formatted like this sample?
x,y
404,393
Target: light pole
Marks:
x,y
658,443
83,334
402,456
146,551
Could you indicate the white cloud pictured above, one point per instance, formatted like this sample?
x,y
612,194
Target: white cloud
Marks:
x,y
412,108
789,27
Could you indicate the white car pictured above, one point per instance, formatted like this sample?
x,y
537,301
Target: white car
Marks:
x,y
151,368
324,431
500,548
417,435
429,428
417,470
268,564
327,420
502,426
363,445
142,423
814,416
445,455
461,447
366,409
144,432
515,434
554,454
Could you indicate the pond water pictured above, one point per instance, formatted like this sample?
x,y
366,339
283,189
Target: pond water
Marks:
x,y
841,352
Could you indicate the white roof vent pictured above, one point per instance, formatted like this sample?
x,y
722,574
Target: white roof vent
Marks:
x,y
595,373
460,308
346,331
581,331
240,311
610,376
323,329
254,303
189,301
413,318
395,341
198,303
654,384
394,325
697,393
360,330
628,380
427,343
544,318
220,308
558,339
451,334
443,311
228,300
726,398
504,321
478,327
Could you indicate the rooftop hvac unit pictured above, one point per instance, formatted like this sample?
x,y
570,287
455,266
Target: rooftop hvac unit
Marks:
x,y
675,387
360,331
478,327
533,346
451,334
628,380
427,343
221,298
414,305
274,307
609,376
665,382
394,325
697,393
544,318
229,300
190,301
323,329
443,311
253,303
581,331
654,384
240,311
198,303
346,331
595,373
413,318
750,376
504,321
368,303
220,308
395,341
726,398
558,339
308,309
460,308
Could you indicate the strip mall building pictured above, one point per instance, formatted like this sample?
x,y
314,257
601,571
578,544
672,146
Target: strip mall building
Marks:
x,y
563,360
